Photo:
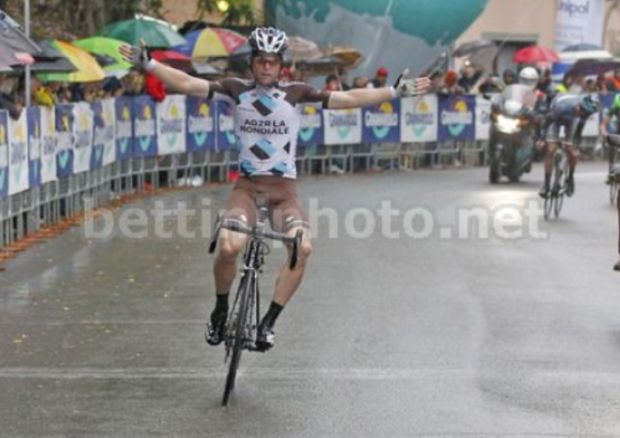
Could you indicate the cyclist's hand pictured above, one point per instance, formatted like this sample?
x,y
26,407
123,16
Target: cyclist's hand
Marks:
x,y
139,57
406,86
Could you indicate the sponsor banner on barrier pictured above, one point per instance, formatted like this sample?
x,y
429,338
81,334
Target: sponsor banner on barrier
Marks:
x,y
18,154
457,118
200,124
105,131
171,120
33,114
483,118
418,118
381,123
226,137
123,107
145,132
83,121
4,154
64,137
311,125
48,144
343,126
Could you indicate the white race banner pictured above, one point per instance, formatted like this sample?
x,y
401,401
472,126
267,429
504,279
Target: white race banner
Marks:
x,y
82,136
48,144
106,134
343,126
171,126
483,118
418,121
579,21
18,154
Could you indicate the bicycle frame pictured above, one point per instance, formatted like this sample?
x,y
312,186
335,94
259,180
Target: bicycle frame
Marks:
x,y
239,328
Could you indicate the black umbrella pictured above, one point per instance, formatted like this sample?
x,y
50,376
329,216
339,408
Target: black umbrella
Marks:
x,y
581,47
51,60
12,35
587,67
472,47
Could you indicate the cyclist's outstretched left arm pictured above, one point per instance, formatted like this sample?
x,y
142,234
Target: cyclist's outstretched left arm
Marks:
x,y
356,98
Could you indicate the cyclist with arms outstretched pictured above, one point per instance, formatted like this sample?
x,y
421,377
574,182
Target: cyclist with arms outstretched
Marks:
x,y
267,124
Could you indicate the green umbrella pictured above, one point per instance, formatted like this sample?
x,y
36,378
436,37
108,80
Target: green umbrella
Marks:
x,y
107,47
154,32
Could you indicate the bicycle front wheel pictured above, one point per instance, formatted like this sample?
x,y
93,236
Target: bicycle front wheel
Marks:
x,y
240,329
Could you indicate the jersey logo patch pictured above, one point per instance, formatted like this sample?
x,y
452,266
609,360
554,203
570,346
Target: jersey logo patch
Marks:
x,y
263,149
265,104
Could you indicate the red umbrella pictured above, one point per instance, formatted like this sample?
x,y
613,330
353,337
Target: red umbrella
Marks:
x,y
174,59
534,54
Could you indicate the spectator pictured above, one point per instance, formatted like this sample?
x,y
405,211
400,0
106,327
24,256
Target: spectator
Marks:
x,y
601,84
509,77
544,83
470,75
360,82
567,83
450,85
7,96
40,94
590,86
380,79
490,85
332,83
112,87
613,85
154,87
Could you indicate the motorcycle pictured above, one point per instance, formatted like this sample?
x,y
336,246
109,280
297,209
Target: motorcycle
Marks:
x,y
511,145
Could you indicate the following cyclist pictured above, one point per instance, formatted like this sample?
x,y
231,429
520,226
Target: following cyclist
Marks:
x,y
568,111
614,112
266,124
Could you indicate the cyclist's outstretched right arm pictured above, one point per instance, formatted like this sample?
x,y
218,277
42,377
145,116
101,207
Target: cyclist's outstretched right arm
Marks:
x,y
174,80
178,81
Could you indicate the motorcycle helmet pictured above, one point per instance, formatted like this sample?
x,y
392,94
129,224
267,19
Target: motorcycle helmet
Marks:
x,y
528,76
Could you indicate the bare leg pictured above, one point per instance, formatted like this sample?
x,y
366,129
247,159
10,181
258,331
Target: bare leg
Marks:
x,y
289,279
225,265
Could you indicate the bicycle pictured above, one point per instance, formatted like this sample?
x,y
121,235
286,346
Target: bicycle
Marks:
x,y
240,332
613,141
559,177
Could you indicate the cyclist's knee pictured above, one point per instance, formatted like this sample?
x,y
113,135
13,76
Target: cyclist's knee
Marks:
x,y
305,251
231,244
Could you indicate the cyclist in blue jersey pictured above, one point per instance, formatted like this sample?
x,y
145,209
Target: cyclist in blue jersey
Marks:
x,y
570,112
267,125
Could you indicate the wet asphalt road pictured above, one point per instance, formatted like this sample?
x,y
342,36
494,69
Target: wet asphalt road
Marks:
x,y
448,330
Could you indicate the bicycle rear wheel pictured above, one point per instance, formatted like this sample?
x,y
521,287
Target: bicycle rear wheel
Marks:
x,y
238,341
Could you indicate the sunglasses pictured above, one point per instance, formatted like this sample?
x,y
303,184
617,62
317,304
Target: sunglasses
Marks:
x,y
267,61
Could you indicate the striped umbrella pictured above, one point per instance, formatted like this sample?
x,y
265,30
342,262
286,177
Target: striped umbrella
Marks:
x,y
211,42
88,70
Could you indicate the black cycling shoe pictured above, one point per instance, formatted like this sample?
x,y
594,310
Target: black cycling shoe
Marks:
x,y
570,187
214,335
617,266
265,337
544,192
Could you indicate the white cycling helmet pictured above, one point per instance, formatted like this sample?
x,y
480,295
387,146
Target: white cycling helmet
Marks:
x,y
528,76
268,40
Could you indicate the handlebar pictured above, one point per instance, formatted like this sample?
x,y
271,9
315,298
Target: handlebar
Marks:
x,y
258,233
